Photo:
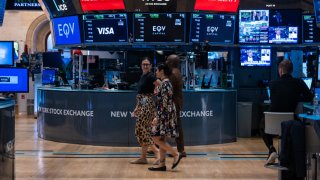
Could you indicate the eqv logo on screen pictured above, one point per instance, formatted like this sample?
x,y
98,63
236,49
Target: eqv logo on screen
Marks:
x,y
158,30
66,30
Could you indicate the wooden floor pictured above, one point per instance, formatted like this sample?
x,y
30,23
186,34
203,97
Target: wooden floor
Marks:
x,y
40,159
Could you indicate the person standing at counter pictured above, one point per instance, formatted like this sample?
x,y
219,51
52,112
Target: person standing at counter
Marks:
x,y
285,93
145,112
173,61
165,123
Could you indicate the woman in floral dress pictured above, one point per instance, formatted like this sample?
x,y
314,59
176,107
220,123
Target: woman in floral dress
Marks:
x,y
165,124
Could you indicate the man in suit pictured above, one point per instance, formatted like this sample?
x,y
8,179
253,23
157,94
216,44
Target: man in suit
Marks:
x,y
286,92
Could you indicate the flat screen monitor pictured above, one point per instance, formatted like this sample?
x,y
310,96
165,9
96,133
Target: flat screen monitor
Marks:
x,y
217,5
157,28
310,31
283,34
59,8
255,56
48,76
66,30
6,53
284,26
14,80
316,5
101,5
253,26
308,82
105,28
212,28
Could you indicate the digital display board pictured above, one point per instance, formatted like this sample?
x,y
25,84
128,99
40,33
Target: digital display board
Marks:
x,y
255,56
252,28
311,33
14,80
101,5
6,53
269,26
105,28
59,8
212,28
22,5
159,27
66,30
217,5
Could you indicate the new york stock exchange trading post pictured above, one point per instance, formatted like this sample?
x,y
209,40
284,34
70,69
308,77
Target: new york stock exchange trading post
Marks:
x,y
103,117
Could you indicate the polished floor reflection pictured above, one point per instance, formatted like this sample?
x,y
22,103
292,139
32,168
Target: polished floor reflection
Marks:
x,y
40,159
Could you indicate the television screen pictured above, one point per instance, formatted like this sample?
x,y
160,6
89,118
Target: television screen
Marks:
x,y
6,53
59,8
217,5
212,28
66,30
159,27
48,76
253,26
311,33
14,80
101,5
105,28
284,26
283,34
255,56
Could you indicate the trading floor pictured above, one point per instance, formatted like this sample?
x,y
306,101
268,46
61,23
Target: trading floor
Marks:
x,y
41,159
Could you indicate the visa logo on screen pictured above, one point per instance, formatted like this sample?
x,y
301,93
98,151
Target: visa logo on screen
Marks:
x,y
105,30
66,30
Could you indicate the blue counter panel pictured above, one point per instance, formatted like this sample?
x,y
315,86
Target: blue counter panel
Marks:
x,y
104,117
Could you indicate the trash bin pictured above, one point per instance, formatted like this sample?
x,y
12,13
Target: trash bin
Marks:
x,y
244,119
7,138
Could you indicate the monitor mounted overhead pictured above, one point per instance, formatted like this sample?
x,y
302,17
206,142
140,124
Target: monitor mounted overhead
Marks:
x,y
105,28
159,28
101,5
212,28
217,5
6,53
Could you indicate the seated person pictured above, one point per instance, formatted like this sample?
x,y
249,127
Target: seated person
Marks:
x,y
97,80
285,94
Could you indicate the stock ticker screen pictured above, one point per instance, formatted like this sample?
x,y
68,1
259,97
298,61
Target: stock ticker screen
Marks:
x,y
159,28
105,28
212,28
311,33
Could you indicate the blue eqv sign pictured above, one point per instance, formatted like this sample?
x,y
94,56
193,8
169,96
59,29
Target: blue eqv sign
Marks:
x,y
66,30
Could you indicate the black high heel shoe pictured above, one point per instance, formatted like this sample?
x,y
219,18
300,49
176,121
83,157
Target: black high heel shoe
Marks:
x,y
162,168
175,164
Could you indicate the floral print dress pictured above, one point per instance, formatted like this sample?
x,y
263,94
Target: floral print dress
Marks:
x,y
166,124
